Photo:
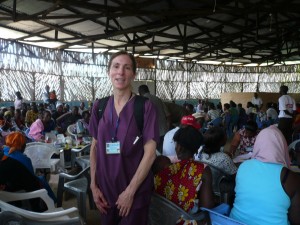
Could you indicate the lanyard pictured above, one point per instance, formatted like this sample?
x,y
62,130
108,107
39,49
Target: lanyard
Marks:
x,y
115,130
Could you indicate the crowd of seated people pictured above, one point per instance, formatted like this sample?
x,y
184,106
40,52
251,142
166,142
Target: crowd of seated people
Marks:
x,y
184,177
31,122
34,120
269,156
67,119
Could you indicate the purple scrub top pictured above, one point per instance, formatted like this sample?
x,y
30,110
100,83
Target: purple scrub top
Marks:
x,y
115,171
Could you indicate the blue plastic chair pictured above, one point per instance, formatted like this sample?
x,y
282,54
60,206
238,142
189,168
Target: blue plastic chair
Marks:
x,y
219,215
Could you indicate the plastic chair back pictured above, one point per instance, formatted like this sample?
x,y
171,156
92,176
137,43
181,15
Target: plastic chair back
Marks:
x,y
70,130
76,154
223,184
163,211
78,185
40,155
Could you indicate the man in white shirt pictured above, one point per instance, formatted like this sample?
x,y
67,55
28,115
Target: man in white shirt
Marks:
x,y
287,108
169,144
257,100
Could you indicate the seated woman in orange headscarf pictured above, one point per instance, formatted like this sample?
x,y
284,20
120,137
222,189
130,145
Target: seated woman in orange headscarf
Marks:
x,y
186,183
16,170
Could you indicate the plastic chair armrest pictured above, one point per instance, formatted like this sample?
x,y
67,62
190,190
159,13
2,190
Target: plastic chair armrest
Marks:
x,y
46,216
73,177
16,196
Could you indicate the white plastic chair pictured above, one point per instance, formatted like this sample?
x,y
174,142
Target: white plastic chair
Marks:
x,y
70,130
52,214
76,153
40,155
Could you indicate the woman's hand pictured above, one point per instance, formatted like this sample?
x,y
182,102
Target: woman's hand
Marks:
x,y
124,203
99,199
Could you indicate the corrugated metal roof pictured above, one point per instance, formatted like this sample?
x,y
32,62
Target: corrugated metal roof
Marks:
x,y
254,31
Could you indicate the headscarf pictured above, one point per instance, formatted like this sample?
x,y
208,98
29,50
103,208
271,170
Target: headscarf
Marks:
x,y
15,141
271,146
7,113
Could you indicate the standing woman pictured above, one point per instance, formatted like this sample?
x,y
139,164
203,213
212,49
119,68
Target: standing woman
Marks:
x,y
19,100
121,157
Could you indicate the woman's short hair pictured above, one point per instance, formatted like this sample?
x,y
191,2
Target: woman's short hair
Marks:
x,y
212,139
251,126
123,53
189,138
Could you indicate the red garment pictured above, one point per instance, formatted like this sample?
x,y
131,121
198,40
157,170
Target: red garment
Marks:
x,y
180,183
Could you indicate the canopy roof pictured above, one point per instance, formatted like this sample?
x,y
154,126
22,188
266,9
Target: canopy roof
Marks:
x,y
248,32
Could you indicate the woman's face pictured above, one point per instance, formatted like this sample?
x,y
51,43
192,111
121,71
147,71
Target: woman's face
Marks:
x,y
86,117
121,72
47,117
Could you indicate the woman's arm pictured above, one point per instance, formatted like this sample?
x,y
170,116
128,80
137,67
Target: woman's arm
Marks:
x,y
93,162
205,194
234,144
292,189
228,165
294,210
60,119
125,199
98,196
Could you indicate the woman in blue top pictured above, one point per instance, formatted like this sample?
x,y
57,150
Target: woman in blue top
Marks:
x,y
267,192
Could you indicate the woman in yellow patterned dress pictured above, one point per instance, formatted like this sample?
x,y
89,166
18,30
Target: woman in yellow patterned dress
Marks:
x,y
187,183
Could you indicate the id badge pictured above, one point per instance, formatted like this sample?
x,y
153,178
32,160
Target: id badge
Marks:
x,y
113,147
